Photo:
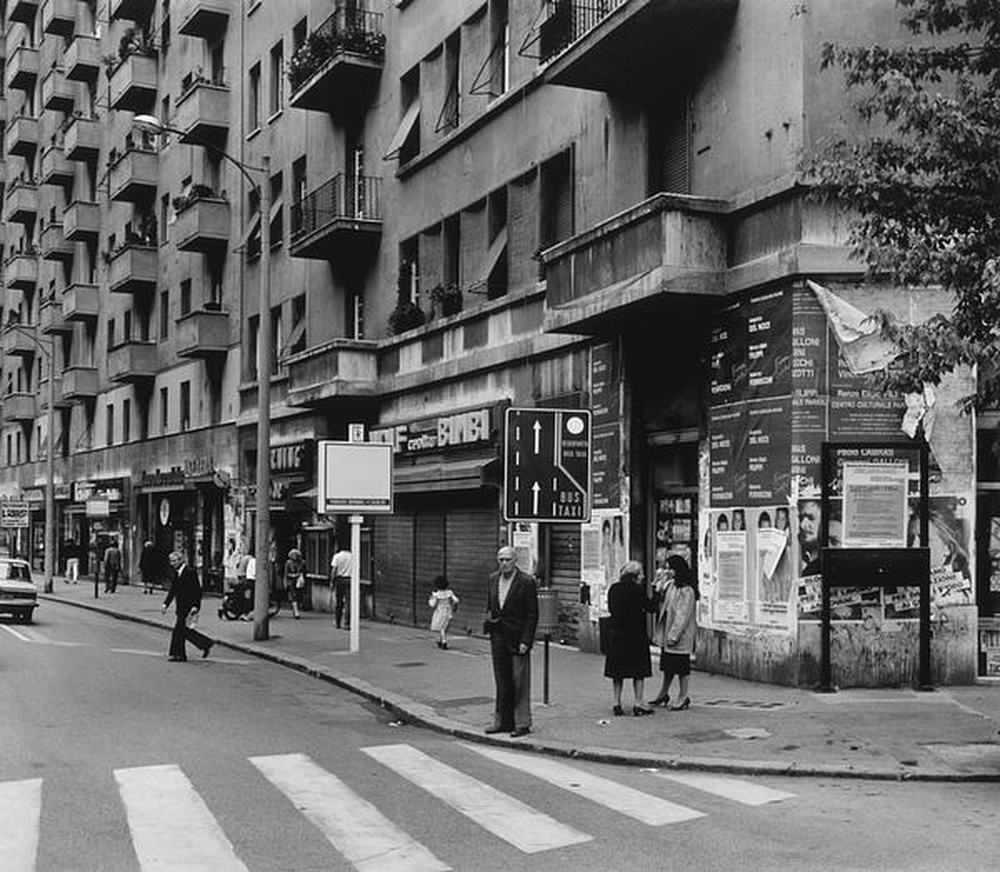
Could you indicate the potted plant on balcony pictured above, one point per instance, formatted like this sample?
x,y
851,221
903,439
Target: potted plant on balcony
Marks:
x,y
407,315
448,297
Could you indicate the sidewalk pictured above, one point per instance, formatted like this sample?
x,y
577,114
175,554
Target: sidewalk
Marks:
x,y
733,726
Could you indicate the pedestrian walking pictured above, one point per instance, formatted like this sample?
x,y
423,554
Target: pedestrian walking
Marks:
x,y
627,654
341,567
676,625
72,551
444,602
112,566
149,562
185,593
511,619
295,579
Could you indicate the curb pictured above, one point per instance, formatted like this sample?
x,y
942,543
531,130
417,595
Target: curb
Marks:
x,y
414,713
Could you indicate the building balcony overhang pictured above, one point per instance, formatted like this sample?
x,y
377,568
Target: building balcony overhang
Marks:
x,y
59,17
132,10
203,225
82,60
132,362
82,138
20,407
22,68
59,401
21,205
56,169
343,214
79,383
134,176
203,333
51,319
82,221
133,269
81,302
21,271
57,91
338,369
23,11
202,112
613,46
22,136
20,340
54,245
133,84
206,19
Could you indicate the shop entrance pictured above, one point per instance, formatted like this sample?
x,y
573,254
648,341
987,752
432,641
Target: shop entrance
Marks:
x,y
988,581
673,489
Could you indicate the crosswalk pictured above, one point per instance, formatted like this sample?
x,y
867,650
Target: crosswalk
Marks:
x,y
172,827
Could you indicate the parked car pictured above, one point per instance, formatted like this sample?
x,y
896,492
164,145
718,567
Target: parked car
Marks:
x,y
18,593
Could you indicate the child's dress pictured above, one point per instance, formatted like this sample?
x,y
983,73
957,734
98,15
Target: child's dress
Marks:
x,y
443,602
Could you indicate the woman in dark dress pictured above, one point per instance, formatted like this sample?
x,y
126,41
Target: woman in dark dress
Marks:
x,y
627,643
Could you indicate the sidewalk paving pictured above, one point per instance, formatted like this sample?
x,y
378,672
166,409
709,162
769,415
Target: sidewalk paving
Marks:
x,y
952,734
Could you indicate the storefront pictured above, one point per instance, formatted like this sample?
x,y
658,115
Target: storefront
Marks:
x,y
98,513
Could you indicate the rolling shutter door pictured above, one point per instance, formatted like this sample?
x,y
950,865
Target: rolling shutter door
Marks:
x,y
473,539
564,546
394,566
430,549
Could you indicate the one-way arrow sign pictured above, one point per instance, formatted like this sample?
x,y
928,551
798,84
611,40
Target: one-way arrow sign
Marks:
x,y
547,459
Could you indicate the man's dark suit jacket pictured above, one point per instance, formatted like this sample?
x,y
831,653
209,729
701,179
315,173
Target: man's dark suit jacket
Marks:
x,y
518,618
186,589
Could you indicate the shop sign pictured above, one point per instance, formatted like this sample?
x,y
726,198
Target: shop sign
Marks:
x,y
14,514
98,508
158,480
444,431
33,494
290,458
110,490
63,490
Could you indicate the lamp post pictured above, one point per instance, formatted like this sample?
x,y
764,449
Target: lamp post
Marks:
x,y
50,501
151,124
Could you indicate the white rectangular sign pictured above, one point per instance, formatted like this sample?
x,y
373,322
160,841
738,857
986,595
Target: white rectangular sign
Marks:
x,y
876,510
354,477
14,514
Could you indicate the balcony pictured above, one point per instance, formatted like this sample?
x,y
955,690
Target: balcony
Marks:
x,y
82,221
133,269
51,319
133,83
337,369
79,383
611,45
204,333
22,136
21,271
22,68
20,340
202,110
206,19
81,302
202,223
134,175
56,170
668,247
59,17
21,205
22,10
82,60
59,401
343,213
340,63
132,361
132,10
58,93
82,138
20,407
53,243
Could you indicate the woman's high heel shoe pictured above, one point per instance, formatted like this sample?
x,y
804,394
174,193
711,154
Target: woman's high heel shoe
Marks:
x,y
618,710
639,711
682,706
661,701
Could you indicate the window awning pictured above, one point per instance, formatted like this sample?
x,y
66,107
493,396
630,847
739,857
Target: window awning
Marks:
x,y
447,475
496,250
252,231
403,131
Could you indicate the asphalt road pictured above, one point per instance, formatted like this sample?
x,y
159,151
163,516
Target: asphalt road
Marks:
x,y
112,758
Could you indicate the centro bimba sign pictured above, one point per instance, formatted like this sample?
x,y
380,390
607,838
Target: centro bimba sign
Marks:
x,y
444,431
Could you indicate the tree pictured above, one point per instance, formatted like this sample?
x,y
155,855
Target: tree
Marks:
x,y
923,179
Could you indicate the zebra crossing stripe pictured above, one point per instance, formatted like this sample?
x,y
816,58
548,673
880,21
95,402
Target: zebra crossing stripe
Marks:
x,y
20,815
510,819
357,829
736,789
171,826
628,801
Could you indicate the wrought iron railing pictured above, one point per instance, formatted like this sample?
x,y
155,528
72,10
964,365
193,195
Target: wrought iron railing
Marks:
x,y
349,29
568,20
342,197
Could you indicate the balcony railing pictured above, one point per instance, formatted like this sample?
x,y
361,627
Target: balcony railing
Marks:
x,y
343,209
21,205
134,173
202,221
350,38
202,108
133,269
82,138
203,333
20,340
79,382
339,368
82,221
133,83
22,68
571,20
50,318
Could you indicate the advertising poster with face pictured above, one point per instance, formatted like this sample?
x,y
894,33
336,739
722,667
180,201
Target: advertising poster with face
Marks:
x,y
773,568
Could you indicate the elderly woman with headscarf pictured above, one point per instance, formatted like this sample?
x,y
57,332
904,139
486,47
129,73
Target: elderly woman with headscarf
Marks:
x,y
295,579
675,628
627,646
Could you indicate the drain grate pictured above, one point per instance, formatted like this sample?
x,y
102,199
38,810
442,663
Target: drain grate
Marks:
x,y
744,704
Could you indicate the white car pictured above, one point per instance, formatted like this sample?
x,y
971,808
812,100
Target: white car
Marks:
x,y
18,593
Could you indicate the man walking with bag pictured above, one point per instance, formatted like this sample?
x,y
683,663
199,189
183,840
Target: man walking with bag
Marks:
x,y
185,592
512,616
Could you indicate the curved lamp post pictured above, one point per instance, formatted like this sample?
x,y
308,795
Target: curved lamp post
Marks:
x,y
151,124
50,501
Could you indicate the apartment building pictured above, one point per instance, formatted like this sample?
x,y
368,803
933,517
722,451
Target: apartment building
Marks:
x,y
475,206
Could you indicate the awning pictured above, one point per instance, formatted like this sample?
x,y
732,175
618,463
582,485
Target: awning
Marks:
x,y
448,475
493,255
403,131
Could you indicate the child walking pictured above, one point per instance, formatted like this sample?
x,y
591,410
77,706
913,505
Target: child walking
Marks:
x,y
444,602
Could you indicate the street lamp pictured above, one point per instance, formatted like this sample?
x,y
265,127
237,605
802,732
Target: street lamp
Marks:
x,y
50,500
152,125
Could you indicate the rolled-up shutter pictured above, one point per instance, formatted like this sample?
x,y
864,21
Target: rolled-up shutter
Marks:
x,y
564,551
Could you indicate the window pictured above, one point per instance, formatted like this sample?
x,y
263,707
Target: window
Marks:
x,y
298,193
253,329
299,34
164,218
185,297
495,272
556,191
110,435
185,405
452,241
500,26
405,143
450,110
355,315
276,338
253,97
164,409
111,333
126,420
165,27
409,271
277,78
297,336
277,210
164,314
165,118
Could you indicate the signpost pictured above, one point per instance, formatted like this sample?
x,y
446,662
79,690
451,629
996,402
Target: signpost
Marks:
x,y
354,477
547,466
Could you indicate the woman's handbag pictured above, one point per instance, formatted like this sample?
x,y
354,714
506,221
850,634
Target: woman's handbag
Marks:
x,y
603,632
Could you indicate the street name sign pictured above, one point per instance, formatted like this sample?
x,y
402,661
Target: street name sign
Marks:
x,y
354,477
547,465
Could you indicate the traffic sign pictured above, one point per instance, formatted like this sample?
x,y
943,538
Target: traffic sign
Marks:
x,y
547,460
354,477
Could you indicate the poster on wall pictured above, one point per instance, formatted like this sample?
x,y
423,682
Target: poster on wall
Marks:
x,y
769,349
727,350
772,569
876,511
605,406
603,551
768,451
524,538
728,448
730,571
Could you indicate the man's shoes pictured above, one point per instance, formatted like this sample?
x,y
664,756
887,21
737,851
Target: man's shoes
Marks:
x,y
491,730
617,710
520,731
177,659
206,649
